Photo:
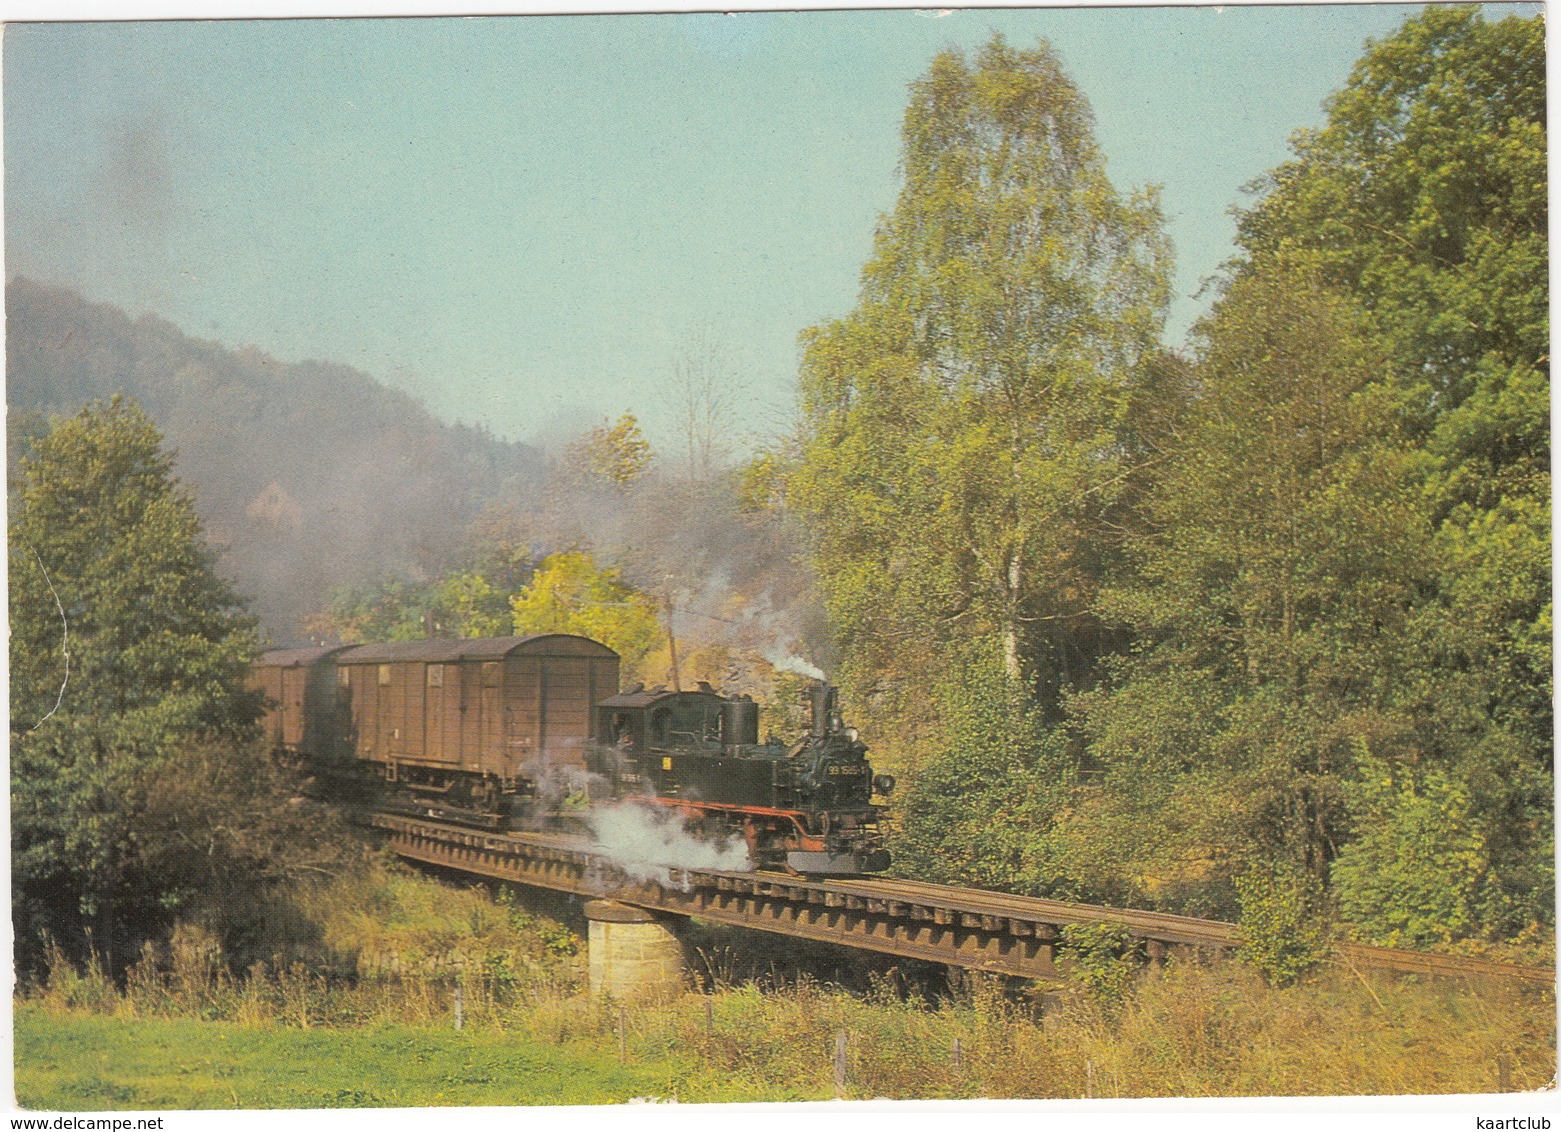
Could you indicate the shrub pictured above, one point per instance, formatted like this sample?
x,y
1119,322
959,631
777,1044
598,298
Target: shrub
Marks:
x,y
1284,924
1102,962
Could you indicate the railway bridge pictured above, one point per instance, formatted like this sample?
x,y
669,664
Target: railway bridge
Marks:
x,y
634,945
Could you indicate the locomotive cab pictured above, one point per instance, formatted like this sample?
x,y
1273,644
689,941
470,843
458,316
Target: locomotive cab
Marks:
x,y
691,745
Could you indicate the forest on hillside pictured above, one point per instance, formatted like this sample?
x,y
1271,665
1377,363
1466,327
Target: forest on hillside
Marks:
x,y
1258,629
285,459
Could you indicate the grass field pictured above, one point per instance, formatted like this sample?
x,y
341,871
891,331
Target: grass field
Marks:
x,y
1189,1032
85,1063
366,1020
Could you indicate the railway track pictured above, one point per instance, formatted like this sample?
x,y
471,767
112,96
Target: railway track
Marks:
x,y
1148,925
965,927
1222,935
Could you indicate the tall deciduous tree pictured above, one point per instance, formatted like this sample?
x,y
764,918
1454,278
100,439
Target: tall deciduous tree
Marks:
x,y
1425,199
1425,196
963,424
126,648
1341,585
1281,561
706,392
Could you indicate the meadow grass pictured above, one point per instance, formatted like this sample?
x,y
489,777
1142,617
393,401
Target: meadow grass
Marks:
x,y
82,1062
364,1015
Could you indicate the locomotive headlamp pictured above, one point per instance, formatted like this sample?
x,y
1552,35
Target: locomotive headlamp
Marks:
x,y
852,734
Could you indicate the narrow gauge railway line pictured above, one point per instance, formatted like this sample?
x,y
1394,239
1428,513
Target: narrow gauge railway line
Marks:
x,y
997,932
1224,935
1163,925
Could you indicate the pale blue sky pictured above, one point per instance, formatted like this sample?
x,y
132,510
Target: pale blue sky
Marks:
x,y
518,218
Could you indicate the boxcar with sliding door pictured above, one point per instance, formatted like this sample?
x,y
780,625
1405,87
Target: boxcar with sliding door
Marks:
x,y
477,721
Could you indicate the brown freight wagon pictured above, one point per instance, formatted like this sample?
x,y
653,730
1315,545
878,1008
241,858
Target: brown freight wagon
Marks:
x,y
507,710
300,699
482,716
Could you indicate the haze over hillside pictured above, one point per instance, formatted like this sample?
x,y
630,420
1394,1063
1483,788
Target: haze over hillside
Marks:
x,y
310,475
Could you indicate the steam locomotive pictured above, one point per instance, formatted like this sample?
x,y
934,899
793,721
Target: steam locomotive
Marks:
x,y
520,732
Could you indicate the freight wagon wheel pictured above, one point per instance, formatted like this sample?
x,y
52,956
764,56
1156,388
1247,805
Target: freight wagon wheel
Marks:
x,y
484,794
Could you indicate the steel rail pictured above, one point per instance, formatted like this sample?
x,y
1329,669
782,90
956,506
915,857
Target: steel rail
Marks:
x,y
998,932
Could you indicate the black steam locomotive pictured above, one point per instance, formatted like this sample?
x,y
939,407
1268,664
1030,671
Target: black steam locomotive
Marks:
x,y
807,806
518,731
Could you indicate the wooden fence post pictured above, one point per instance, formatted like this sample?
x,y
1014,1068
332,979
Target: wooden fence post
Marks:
x,y
460,1007
840,1063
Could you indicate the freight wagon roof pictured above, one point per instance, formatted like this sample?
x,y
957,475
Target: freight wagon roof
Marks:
x,y
479,648
643,698
296,658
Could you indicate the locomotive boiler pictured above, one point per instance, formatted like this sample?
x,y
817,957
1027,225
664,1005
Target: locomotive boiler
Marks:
x,y
506,731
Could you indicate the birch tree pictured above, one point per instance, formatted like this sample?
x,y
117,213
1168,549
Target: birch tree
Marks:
x,y
964,425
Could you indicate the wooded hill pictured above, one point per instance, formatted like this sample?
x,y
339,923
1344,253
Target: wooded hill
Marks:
x,y
310,475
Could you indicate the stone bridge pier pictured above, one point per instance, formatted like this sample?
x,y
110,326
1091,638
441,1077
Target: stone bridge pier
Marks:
x,y
634,953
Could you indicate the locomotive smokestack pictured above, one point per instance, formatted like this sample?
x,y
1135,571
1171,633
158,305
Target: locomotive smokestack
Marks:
x,y
821,697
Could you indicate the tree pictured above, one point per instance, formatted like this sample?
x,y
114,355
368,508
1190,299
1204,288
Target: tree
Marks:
x,y
973,810
1278,568
963,425
570,594
706,393
462,603
619,453
126,648
1341,580
1424,199
1420,870
389,608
